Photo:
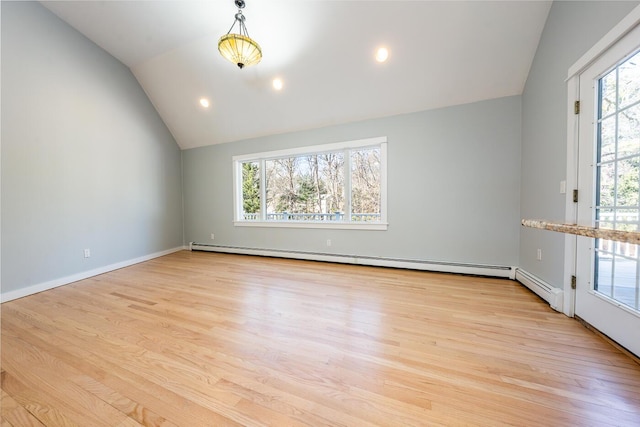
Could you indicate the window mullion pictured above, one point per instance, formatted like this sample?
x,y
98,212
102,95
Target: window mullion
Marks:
x,y
347,185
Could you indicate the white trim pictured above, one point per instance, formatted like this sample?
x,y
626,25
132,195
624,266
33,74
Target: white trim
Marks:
x,y
236,181
609,39
313,149
346,172
34,289
384,163
571,209
554,296
380,226
425,265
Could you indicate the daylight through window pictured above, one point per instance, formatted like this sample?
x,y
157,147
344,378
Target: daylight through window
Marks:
x,y
339,185
618,176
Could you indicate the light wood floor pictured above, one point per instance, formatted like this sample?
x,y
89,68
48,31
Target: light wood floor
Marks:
x,y
204,339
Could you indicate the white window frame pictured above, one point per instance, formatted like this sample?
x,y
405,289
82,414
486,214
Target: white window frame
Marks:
x,y
380,142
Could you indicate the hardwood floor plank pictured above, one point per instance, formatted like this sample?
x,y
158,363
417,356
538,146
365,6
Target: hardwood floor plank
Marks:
x,y
34,364
136,413
14,414
170,405
48,410
199,339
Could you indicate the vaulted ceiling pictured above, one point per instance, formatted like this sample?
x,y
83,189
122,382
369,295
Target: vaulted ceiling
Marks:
x,y
442,53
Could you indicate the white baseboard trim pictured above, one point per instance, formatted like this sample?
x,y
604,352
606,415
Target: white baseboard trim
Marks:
x,y
34,289
554,296
437,266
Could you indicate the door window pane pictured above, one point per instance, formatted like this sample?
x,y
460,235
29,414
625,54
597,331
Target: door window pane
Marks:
x,y
629,131
604,263
627,183
607,178
625,276
608,94
608,139
629,81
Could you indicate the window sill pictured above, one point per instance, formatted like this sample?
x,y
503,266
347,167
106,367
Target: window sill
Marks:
x,y
380,226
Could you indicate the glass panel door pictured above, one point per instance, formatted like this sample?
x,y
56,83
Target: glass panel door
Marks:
x,y
607,272
618,180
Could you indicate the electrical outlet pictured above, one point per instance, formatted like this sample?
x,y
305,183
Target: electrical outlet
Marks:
x,y
87,253
539,255
328,242
213,236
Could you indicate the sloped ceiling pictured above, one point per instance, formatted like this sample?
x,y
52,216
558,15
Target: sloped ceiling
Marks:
x,y
442,53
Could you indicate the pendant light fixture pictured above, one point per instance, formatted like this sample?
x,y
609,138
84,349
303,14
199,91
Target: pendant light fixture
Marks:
x,y
239,48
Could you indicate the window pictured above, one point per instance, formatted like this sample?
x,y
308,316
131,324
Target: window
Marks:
x,y
340,185
618,178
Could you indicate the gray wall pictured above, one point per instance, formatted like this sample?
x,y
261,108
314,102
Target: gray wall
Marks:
x,y
571,29
453,188
87,163
86,160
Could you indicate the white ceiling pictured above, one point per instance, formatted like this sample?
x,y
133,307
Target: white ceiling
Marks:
x,y
442,53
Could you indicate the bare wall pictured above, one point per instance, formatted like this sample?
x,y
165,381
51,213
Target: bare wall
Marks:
x,y
86,160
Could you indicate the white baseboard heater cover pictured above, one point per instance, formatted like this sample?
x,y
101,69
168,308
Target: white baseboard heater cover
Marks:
x,y
438,266
554,296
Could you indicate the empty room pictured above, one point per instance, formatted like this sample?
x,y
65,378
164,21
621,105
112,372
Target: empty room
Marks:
x,y
320,213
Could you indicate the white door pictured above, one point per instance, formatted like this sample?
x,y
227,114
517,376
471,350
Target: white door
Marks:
x,y
608,273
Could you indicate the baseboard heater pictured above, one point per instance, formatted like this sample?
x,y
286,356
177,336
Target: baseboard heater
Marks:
x,y
438,266
554,296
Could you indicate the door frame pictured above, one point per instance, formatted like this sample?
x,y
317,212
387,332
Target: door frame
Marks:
x,y
627,24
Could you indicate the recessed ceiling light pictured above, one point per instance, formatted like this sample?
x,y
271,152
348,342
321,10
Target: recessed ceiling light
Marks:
x,y
205,102
382,54
277,84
